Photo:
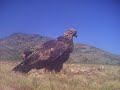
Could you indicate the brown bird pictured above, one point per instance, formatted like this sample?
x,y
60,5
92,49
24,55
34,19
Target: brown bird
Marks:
x,y
51,55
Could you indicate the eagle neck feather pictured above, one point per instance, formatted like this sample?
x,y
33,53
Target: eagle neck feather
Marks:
x,y
65,39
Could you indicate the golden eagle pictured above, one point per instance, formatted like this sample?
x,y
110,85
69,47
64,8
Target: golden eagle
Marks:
x,y
51,55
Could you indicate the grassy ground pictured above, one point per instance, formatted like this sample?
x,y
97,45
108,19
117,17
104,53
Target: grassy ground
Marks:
x,y
72,77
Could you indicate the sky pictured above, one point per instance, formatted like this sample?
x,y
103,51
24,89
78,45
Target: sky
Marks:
x,y
97,21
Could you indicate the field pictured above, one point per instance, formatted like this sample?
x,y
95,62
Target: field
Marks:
x,y
72,77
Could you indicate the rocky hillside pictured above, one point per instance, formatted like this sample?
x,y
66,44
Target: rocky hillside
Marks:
x,y
88,54
12,46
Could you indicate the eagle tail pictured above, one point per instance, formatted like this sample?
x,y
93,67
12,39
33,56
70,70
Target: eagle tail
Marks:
x,y
21,68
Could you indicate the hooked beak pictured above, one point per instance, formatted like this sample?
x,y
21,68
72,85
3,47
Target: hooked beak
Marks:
x,y
75,35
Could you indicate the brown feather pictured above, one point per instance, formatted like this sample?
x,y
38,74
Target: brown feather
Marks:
x,y
51,55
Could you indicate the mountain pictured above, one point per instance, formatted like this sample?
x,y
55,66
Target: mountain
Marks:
x,y
12,46
88,54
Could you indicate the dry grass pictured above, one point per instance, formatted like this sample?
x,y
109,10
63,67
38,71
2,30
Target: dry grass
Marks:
x,y
72,77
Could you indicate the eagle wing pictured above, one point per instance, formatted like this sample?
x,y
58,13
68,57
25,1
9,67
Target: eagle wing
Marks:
x,y
49,51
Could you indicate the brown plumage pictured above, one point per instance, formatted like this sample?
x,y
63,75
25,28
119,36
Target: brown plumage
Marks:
x,y
51,55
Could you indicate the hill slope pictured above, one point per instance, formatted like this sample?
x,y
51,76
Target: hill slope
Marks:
x,y
12,46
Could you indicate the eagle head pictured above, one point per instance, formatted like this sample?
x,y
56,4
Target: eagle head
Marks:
x,y
70,33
